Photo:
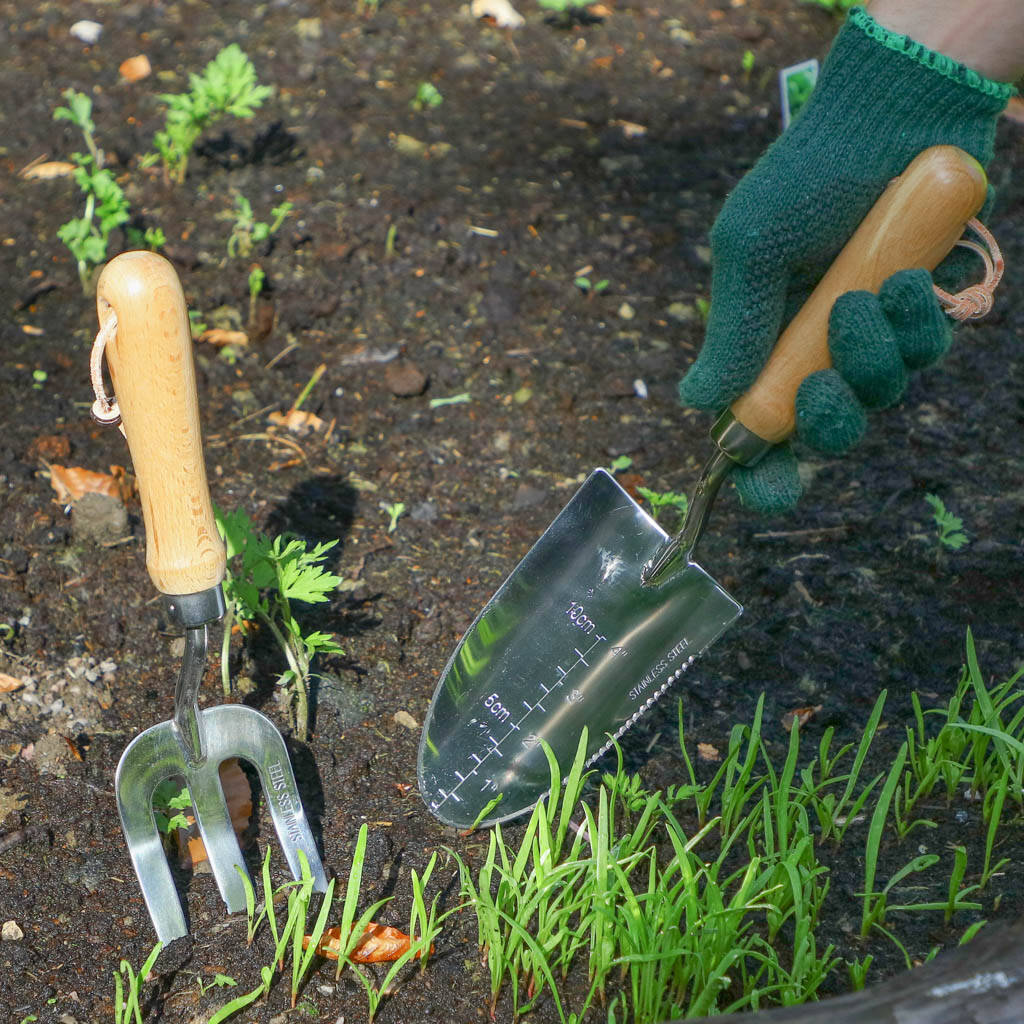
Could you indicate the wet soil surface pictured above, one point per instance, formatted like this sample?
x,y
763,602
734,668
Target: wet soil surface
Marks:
x,y
609,145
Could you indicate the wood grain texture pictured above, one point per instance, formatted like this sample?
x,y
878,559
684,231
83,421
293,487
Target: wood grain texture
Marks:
x,y
150,363
915,223
980,983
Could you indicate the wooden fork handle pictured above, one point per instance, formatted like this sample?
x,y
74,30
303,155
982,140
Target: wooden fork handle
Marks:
x,y
150,363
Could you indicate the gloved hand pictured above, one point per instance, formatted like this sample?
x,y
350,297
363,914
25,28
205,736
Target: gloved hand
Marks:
x,y
880,100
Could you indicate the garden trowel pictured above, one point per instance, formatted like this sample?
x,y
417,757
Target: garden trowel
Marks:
x,y
149,354
605,611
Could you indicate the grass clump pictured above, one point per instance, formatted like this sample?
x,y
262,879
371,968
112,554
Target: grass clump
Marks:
x,y
709,897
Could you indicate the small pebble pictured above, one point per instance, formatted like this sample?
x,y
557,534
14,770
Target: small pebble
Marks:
x,y
626,311
405,719
424,512
87,31
405,379
99,518
11,932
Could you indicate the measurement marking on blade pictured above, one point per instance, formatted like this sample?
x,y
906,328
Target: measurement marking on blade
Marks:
x,y
495,748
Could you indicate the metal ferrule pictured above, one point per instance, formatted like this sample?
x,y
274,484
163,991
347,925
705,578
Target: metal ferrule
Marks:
x,y
734,445
742,445
192,610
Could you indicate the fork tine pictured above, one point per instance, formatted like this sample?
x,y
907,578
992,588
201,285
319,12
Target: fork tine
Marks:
x,y
214,822
253,737
149,759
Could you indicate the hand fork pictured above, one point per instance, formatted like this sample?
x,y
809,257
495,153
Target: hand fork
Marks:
x,y
149,356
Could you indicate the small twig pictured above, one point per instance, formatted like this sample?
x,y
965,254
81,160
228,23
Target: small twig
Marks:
x,y
277,439
251,416
780,534
290,347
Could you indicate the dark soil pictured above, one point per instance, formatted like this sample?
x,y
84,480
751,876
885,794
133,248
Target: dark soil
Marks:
x,y
844,598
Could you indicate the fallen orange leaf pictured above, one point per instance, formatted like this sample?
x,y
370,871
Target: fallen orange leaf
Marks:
x,y
8,684
134,69
801,715
47,170
298,421
631,129
220,337
378,944
71,482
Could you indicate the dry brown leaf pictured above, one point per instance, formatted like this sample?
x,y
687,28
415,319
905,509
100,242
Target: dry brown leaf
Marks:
x,y
71,482
49,447
801,715
631,129
238,796
47,170
378,944
134,69
220,337
8,684
708,752
298,421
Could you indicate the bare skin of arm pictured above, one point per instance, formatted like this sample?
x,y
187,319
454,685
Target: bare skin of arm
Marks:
x,y
986,35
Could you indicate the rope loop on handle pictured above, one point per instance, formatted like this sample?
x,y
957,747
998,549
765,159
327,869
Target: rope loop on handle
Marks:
x,y
104,410
976,300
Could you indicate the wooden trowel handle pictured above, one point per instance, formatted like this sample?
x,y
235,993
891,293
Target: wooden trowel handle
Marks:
x,y
150,362
915,223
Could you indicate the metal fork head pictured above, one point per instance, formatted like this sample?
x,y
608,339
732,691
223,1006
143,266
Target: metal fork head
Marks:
x,y
155,755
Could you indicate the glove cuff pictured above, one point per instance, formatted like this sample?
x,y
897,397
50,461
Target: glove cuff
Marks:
x,y
938,62
898,97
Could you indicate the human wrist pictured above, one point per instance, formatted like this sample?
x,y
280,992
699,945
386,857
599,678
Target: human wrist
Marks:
x,y
986,36
915,49
897,97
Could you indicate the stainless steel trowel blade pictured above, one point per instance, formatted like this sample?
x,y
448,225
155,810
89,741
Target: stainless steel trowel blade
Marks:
x,y
571,639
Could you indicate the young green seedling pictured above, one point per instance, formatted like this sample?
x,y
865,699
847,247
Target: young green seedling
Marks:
x,y
247,231
664,499
106,207
128,991
427,95
228,85
256,281
949,528
393,511
590,288
265,576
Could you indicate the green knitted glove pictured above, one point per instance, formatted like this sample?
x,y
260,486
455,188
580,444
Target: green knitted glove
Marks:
x,y
880,100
